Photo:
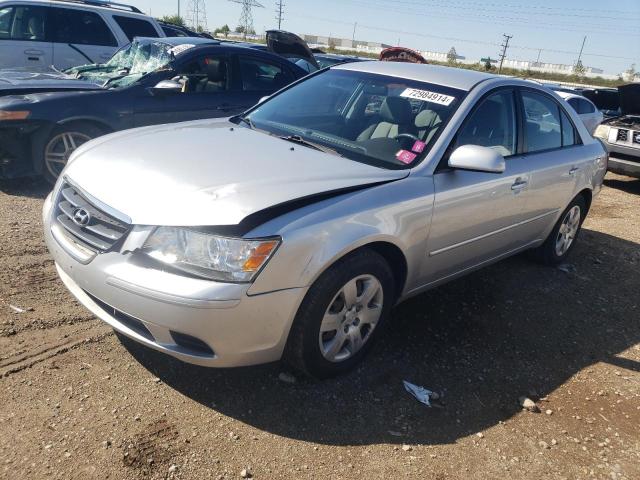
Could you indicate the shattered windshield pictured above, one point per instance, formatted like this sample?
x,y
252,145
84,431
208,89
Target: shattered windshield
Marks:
x,y
130,63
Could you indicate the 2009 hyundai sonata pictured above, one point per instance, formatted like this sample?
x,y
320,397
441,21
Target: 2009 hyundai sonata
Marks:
x,y
291,231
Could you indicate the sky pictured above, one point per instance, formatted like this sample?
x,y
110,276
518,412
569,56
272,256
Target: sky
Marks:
x,y
554,29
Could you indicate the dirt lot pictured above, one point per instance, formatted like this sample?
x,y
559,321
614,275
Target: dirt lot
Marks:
x,y
80,402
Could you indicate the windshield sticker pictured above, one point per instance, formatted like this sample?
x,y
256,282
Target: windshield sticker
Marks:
x,y
418,147
405,156
427,96
178,49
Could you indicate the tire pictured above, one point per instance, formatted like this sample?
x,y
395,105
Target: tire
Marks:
x,y
549,252
365,276
61,143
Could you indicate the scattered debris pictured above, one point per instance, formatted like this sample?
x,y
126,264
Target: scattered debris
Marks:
x,y
246,473
407,448
549,412
567,268
286,377
480,435
422,394
528,404
17,309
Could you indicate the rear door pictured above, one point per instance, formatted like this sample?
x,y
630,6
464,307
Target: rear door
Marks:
x,y
479,216
25,39
260,77
553,151
80,37
210,90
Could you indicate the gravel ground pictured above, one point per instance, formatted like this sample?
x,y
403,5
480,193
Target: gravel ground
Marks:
x,y
79,401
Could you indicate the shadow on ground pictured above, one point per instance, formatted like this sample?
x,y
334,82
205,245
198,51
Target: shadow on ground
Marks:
x,y
626,184
33,187
515,328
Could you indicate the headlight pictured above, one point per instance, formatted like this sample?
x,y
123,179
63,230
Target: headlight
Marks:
x,y
14,114
210,256
602,132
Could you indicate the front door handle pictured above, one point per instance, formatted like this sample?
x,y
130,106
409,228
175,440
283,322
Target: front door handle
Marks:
x,y
573,171
519,184
33,51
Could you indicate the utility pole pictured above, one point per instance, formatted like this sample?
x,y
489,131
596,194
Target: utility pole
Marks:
x,y
279,12
178,8
504,46
581,49
353,37
538,59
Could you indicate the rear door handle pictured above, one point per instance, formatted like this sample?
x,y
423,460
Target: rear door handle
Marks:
x,y
573,171
33,51
519,184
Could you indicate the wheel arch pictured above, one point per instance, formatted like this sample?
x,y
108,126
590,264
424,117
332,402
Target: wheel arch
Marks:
x,y
587,194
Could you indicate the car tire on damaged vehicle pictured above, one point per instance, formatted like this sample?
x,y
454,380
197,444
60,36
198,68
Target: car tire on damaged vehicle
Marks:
x,y
55,149
321,348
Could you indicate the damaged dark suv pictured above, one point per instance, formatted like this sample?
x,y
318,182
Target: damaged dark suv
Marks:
x,y
621,135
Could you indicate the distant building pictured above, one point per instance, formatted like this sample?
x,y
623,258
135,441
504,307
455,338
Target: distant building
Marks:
x,y
548,67
346,44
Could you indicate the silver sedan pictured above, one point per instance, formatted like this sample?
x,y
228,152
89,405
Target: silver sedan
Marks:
x,y
291,231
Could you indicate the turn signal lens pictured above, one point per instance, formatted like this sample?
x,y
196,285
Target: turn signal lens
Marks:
x,y
259,255
14,115
602,132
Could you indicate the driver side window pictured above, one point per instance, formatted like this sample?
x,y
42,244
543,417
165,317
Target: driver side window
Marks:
x,y
492,124
208,74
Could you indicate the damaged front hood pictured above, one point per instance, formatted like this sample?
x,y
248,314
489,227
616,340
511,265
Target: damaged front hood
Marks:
x,y
24,80
209,172
625,121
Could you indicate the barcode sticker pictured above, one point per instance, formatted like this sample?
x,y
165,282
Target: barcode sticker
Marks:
x,y
427,96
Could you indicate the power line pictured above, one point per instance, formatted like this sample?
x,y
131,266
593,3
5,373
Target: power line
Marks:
x,y
246,17
197,15
505,45
279,13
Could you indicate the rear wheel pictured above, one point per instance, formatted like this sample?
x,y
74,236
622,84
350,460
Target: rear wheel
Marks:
x,y
62,142
562,238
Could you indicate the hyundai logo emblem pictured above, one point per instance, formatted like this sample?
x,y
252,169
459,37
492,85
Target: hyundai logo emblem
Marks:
x,y
81,217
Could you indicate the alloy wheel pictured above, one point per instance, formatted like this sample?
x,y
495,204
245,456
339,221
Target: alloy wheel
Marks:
x,y
60,148
568,230
352,316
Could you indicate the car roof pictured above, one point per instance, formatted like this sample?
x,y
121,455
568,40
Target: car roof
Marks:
x,y
175,41
459,78
566,95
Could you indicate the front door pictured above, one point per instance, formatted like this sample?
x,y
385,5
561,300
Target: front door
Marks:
x,y
209,92
478,216
24,37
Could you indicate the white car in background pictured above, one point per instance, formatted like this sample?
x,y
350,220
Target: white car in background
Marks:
x,y
586,110
36,34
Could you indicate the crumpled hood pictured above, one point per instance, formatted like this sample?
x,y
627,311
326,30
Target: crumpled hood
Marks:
x,y
209,172
23,79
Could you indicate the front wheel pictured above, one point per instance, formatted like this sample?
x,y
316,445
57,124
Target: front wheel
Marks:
x,y
62,142
562,238
341,315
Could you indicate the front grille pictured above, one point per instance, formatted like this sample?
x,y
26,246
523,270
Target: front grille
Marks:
x,y
623,135
87,224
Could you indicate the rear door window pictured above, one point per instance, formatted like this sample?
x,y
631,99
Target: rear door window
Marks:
x,y
585,106
542,130
28,23
568,132
260,76
135,27
81,27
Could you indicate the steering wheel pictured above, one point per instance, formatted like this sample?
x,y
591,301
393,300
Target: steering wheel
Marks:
x,y
409,136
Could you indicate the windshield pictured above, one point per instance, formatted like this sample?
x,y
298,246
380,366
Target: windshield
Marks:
x,y
383,121
139,58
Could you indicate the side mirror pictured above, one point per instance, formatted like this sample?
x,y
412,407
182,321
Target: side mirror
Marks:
x,y
166,87
263,99
477,159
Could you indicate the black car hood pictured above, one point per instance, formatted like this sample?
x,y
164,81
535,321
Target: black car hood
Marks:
x,y
630,99
23,80
603,98
288,44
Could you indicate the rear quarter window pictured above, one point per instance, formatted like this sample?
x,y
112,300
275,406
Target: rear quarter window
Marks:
x,y
135,27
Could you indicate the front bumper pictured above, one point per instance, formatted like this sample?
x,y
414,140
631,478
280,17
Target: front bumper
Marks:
x,y
198,321
624,166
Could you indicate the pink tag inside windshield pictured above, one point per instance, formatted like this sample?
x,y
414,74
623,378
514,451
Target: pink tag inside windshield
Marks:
x,y
418,147
406,156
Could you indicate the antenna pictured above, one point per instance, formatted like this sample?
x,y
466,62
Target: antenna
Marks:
x,y
279,13
197,15
246,17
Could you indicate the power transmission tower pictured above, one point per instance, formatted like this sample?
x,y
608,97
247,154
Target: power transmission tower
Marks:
x,y
246,17
279,13
504,46
197,15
